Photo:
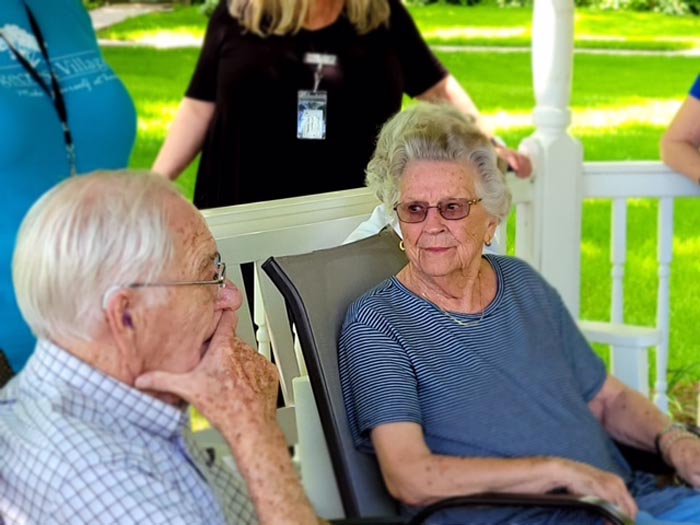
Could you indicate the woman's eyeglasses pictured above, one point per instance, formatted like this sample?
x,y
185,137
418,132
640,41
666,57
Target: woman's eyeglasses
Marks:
x,y
450,209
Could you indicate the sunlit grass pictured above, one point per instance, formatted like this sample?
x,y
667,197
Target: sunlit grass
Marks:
x,y
181,21
650,113
199,422
477,26
165,39
687,246
451,33
154,116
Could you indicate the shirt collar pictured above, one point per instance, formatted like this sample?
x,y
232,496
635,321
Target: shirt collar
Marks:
x,y
51,368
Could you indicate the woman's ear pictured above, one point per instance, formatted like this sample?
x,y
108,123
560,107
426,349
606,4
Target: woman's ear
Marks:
x,y
491,228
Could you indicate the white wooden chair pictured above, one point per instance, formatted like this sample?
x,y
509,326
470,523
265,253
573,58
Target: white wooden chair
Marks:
x,y
249,233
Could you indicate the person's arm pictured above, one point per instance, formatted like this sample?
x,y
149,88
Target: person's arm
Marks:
x,y
680,145
235,388
627,415
417,477
185,138
632,419
449,90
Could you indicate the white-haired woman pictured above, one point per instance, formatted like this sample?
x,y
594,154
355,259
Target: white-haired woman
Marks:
x,y
288,96
465,373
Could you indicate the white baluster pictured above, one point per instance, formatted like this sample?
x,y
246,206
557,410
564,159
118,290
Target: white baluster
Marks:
x,y
262,334
665,254
298,353
618,258
630,364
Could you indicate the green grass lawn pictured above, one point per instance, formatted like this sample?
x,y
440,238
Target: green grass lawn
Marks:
x,y
620,104
474,26
490,25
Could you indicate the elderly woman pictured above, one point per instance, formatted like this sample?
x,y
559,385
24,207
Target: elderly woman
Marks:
x,y
465,373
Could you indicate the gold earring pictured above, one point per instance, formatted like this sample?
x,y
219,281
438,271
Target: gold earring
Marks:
x,y
487,242
402,246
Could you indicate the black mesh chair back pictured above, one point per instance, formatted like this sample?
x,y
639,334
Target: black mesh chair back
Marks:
x,y
319,287
6,372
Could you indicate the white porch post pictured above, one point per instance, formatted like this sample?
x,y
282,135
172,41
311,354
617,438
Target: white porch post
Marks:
x,y
557,156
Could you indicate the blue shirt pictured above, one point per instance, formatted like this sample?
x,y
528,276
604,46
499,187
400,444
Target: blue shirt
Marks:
x,y
695,90
33,158
79,447
515,384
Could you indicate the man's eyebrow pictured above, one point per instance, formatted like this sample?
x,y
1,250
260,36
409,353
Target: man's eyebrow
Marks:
x,y
206,263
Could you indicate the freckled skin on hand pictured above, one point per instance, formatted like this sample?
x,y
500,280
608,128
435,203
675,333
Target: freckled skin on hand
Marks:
x,y
235,389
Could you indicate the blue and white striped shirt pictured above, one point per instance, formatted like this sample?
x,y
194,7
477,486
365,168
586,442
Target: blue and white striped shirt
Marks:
x,y
514,385
79,447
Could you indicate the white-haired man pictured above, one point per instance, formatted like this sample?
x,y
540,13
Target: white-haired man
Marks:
x,y
120,280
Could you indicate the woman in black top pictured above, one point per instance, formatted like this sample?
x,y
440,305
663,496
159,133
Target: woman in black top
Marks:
x,y
288,97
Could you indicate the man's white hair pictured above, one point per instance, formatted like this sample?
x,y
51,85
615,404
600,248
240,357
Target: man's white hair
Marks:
x,y
83,236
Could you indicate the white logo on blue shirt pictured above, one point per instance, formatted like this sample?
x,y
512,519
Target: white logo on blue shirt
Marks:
x,y
24,42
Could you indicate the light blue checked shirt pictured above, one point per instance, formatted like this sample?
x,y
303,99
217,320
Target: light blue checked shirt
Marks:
x,y
79,447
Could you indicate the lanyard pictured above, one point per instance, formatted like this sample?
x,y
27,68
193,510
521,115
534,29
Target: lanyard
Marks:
x,y
53,92
319,60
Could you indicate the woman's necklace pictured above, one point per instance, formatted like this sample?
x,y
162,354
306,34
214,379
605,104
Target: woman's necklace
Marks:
x,y
465,324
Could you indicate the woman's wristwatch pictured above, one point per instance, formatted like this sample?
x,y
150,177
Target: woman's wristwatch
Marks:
x,y
676,432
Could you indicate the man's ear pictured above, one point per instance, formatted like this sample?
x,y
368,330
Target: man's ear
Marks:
x,y
119,318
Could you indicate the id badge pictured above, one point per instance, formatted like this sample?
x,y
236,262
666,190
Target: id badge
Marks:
x,y
311,115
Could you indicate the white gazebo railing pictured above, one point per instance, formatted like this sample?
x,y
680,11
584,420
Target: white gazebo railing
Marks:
x,y
551,236
621,181
618,182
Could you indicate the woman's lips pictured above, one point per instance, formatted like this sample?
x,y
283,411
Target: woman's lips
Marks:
x,y
437,249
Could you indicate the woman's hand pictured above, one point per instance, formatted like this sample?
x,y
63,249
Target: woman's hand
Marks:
x,y
579,478
684,455
520,163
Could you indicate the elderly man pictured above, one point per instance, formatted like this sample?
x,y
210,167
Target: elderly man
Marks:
x,y
120,280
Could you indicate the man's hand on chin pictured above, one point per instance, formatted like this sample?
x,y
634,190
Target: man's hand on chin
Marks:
x,y
232,382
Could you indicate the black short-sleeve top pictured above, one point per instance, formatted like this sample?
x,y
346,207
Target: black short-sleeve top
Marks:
x,y
251,150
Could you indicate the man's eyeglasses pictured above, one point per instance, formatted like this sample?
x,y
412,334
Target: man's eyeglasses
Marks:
x,y
450,209
218,280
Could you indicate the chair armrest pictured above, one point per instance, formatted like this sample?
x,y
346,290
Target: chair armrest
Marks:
x,y
616,334
588,503
591,504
